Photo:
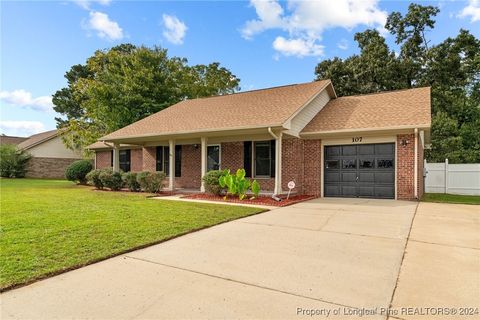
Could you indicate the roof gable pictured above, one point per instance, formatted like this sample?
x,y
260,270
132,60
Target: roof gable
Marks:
x,y
408,108
250,109
37,139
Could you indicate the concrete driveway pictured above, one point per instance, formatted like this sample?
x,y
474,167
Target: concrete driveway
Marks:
x,y
335,257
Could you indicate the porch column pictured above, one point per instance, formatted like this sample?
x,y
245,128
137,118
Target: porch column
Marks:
x,y
278,164
204,161
116,158
171,164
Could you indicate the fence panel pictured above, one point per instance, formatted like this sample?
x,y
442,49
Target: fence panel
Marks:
x,y
453,178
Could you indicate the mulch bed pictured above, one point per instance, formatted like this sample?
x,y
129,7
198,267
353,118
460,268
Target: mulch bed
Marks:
x,y
262,200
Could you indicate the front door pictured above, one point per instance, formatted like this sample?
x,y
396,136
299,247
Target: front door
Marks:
x,y
366,171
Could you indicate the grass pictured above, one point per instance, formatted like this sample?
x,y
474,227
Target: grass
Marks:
x,y
450,198
49,226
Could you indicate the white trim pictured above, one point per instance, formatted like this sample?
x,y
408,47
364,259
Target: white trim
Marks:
x,y
424,126
348,141
203,162
415,166
219,145
116,158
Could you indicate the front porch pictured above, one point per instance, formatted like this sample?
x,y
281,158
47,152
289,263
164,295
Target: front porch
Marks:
x,y
185,160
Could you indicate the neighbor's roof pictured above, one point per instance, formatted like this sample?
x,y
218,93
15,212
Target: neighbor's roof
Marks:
x,y
250,109
394,109
37,139
11,140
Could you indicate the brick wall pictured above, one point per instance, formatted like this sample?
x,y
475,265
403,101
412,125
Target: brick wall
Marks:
x,y
292,164
312,167
405,167
232,155
191,168
149,155
103,159
38,167
136,160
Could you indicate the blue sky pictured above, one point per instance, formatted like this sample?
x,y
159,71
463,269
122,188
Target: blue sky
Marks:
x,y
263,43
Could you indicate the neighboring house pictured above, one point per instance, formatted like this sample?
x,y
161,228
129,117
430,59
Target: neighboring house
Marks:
x,y
50,157
357,146
11,139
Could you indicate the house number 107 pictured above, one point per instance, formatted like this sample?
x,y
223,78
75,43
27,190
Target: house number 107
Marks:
x,y
357,139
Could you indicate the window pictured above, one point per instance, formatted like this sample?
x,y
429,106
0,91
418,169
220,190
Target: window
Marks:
x,y
349,164
213,157
332,164
124,157
384,163
366,163
263,159
163,160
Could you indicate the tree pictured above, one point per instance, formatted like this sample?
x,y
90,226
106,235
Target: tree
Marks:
x,y
13,161
124,84
451,68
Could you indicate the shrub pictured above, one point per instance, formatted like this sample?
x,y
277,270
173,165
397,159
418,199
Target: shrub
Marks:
x,y
212,183
130,180
78,170
13,162
151,181
237,184
93,178
111,180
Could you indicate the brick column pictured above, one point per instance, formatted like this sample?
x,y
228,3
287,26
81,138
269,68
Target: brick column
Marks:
x,y
405,167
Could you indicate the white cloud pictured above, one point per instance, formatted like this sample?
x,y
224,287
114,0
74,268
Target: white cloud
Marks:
x,y
24,99
472,11
343,44
21,128
298,47
105,28
85,4
174,29
305,21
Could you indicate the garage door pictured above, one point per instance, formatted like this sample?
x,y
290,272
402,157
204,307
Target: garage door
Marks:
x,y
366,171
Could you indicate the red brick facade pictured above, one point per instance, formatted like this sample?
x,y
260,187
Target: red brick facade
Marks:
x,y
301,163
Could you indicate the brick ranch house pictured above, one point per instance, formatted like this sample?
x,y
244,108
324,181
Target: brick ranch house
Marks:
x,y
357,146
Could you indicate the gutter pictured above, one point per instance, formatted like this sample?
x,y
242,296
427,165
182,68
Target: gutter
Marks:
x,y
415,167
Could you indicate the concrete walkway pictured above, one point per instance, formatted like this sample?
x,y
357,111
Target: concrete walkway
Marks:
x,y
322,256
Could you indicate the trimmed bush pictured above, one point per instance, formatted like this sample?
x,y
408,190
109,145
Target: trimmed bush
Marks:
x,y
13,162
93,178
151,182
211,181
111,180
130,180
78,170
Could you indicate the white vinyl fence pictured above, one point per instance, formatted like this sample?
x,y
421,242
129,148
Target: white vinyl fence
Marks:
x,y
452,178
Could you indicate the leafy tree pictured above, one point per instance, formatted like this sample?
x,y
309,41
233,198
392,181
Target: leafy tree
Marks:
x,y
451,68
13,161
124,84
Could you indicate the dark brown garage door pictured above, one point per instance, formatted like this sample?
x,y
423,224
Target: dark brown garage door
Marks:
x,y
365,171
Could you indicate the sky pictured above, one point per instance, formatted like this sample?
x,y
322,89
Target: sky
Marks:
x,y
264,43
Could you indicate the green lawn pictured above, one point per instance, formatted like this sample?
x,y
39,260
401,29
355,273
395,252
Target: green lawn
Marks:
x,y
450,198
49,225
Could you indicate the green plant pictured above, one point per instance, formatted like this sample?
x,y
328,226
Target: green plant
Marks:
x,y
93,178
13,162
111,180
151,181
130,180
211,182
78,170
255,188
237,184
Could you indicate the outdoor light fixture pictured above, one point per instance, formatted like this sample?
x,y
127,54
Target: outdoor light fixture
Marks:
x,y
404,142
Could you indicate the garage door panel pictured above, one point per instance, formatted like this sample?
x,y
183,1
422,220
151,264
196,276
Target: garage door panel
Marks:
x,y
349,177
333,177
366,170
386,192
349,191
384,177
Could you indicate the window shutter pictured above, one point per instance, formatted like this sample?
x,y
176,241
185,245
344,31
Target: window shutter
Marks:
x,y
247,158
272,156
111,158
178,161
159,160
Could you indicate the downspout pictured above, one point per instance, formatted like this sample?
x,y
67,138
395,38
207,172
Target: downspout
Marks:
x,y
278,163
415,173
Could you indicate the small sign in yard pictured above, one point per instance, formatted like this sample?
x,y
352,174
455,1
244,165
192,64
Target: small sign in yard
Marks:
x,y
290,186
